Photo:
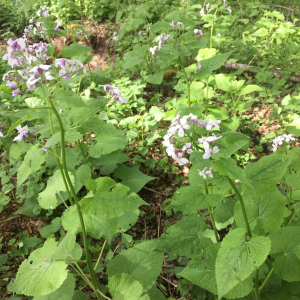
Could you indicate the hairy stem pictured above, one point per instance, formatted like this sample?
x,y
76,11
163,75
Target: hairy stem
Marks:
x,y
84,235
211,213
242,206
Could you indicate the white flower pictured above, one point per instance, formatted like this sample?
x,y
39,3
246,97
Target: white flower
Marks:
x,y
22,133
218,35
202,173
153,50
202,13
199,66
209,152
212,123
115,36
289,137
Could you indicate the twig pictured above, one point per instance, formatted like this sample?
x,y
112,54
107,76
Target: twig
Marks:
x,y
288,8
154,191
167,280
231,65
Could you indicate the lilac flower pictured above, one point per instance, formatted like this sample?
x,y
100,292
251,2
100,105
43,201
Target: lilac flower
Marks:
x,y
207,6
85,36
114,92
206,140
202,13
115,36
204,173
79,32
277,141
57,25
15,93
45,149
172,24
198,32
11,84
22,133
209,152
179,25
212,123
199,66
35,77
148,26
224,2
153,50
229,9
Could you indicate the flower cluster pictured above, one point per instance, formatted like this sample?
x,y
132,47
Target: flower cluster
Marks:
x,y
198,32
114,92
277,141
160,39
205,173
178,24
80,32
68,67
178,126
115,36
22,133
43,11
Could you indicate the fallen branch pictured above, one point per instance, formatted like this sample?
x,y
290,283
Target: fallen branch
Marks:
x,y
231,65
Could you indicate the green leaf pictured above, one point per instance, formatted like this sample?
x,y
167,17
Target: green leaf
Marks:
x,y
191,198
267,209
32,163
206,53
17,149
74,49
132,177
66,246
228,167
286,247
27,242
30,208
224,213
156,78
3,259
156,294
225,82
186,237
293,180
113,203
248,89
237,259
265,173
4,200
201,271
139,261
79,295
213,63
217,113
25,6
107,144
115,157
49,198
294,127
64,292
124,287
48,230
230,143
156,113
40,274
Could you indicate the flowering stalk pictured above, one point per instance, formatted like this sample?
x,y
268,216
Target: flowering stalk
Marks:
x,y
242,206
84,234
187,82
211,213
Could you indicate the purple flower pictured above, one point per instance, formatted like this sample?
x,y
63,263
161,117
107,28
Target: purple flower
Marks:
x,y
114,92
22,133
229,9
199,66
45,149
15,93
172,24
79,32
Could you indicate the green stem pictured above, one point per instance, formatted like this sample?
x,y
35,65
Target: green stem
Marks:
x,y
72,260
81,120
266,280
292,218
84,235
55,150
211,213
242,206
187,82
97,263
